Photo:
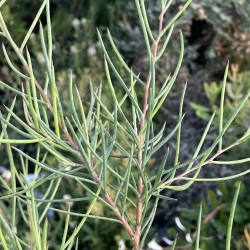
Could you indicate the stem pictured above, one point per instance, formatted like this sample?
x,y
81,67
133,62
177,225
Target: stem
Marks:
x,y
141,139
209,161
116,210
155,46
74,145
140,185
212,214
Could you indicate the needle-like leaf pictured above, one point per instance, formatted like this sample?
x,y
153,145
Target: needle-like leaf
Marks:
x,y
198,231
10,63
231,218
222,105
83,220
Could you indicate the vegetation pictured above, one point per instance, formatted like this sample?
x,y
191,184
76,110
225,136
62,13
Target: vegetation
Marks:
x,y
237,87
88,147
215,214
216,208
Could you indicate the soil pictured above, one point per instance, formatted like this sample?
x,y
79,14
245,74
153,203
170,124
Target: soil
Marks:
x,y
192,130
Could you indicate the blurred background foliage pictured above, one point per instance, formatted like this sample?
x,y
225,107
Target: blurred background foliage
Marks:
x,y
215,32
216,205
238,86
216,211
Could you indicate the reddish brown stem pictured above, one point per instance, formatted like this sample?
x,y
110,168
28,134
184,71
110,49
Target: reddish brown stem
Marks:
x,y
141,139
212,214
155,46
74,145
140,184
94,175
210,160
116,210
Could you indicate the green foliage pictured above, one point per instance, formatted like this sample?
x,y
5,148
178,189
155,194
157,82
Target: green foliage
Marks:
x,y
74,27
215,216
237,87
78,145
218,206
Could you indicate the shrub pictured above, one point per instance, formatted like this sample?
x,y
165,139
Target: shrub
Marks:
x,y
237,87
79,148
216,211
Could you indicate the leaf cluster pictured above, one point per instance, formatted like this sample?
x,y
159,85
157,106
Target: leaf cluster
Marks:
x,y
83,143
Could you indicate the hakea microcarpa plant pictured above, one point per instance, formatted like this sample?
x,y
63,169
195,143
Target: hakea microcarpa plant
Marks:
x,y
83,143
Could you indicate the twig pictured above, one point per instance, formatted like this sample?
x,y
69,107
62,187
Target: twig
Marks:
x,y
74,145
212,214
203,164
141,139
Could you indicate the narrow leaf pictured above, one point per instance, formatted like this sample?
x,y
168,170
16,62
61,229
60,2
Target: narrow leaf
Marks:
x,y
231,218
198,231
222,105
83,220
